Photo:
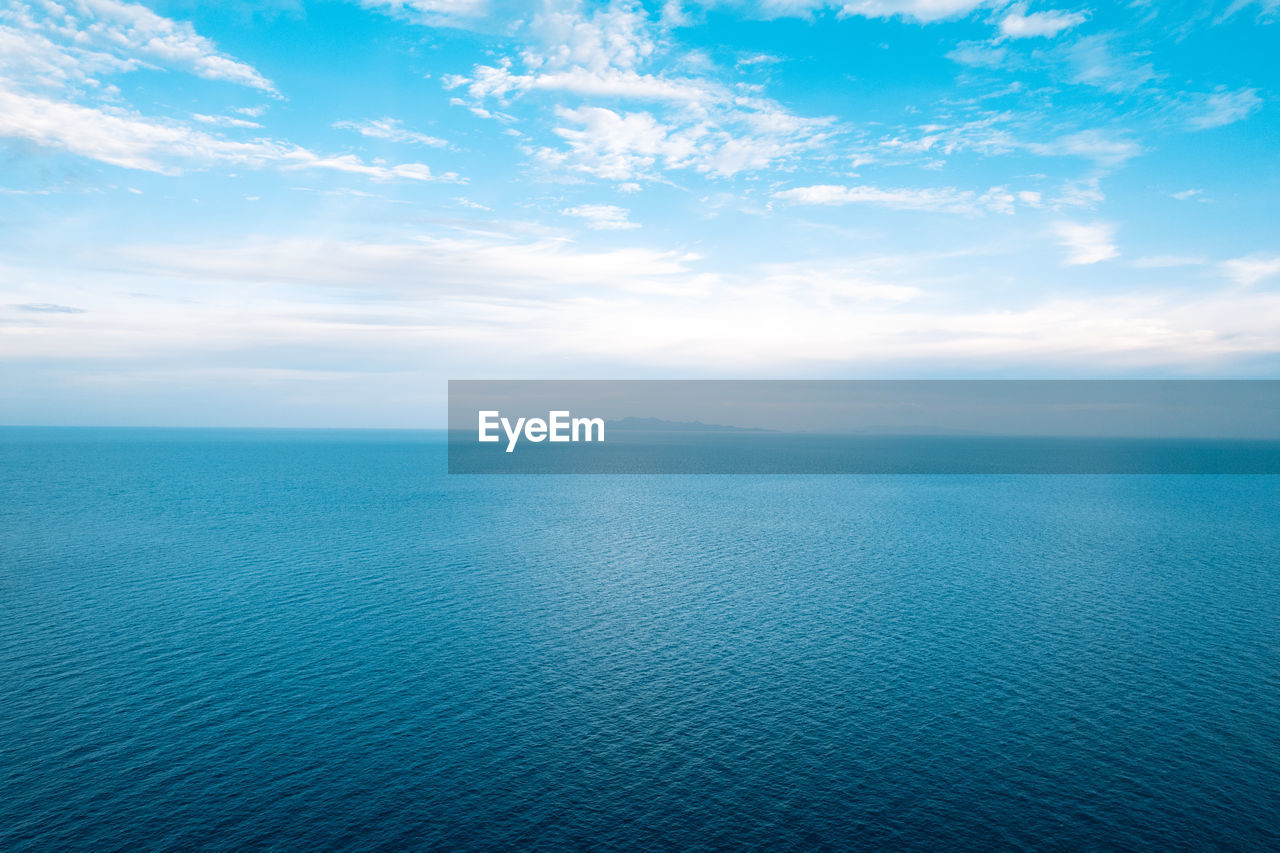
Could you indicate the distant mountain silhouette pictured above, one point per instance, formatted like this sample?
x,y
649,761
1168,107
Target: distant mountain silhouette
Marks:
x,y
914,430
659,425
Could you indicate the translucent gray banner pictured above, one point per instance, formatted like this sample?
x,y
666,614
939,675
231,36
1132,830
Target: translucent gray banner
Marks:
x,y
864,427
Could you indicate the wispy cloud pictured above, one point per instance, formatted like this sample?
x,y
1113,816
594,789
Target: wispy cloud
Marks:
x,y
433,12
920,11
1169,261
89,36
1017,23
1081,193
938,200
1221,107
1250,270
429,266
131,141
47,308
49,57
1087,243
392,130
1096,60
980,54
1266,12
1105,149
1008,132
224,121
603,217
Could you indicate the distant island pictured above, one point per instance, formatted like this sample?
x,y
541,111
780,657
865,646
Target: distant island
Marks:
x,y
658,424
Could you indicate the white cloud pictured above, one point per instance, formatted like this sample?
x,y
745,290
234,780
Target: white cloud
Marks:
x,y
224,121
72,42
134,142
390,129
1083,193
636,309
920,11
618,146
762,329
1267,9
499,81
633,146
924,11
1221,107
602,217
939,200
1250,270
51,57
1087,243
30,57
433,12
1168,261
1094,61
979,54
1018,24
615,36
859,281
1186,195
690,121
758,59
428,266
1005,132
1103,148
300,158
612,97
596,55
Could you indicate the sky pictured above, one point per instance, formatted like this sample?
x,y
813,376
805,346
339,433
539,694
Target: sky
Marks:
x,y
314,214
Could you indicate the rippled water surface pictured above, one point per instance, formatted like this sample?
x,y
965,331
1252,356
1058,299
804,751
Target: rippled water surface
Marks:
x,y
307,641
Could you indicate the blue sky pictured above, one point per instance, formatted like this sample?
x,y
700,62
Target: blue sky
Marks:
x,y
316,213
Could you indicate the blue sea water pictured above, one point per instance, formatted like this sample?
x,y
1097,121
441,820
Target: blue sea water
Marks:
x,y
240,640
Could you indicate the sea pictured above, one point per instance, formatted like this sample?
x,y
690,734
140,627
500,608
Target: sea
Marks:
x,y
241,640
